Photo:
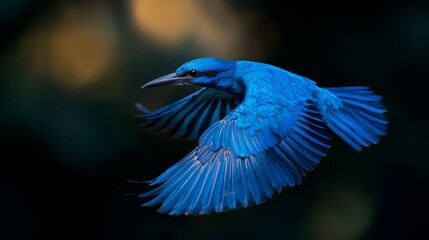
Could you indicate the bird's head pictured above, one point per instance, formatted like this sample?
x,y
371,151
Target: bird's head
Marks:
x,y
205,72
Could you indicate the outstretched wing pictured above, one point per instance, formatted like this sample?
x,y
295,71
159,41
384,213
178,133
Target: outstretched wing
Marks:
x,y
242,159
190,116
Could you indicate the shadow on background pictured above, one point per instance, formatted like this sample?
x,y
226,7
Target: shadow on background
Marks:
x,y
72,71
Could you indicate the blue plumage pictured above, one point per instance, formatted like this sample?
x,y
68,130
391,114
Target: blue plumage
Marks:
x,y
260,128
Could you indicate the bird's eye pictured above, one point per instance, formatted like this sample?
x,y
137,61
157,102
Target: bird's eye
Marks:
x,y
193,73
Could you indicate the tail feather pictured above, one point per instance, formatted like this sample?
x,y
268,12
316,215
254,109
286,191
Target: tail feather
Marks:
x,y
357,117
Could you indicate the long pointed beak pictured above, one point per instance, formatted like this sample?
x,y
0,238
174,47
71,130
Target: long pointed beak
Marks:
x,y
167,79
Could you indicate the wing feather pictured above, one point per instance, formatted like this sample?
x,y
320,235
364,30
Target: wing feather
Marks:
x,y
235,166
189,117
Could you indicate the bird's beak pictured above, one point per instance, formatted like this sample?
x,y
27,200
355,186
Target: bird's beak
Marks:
x,y
171,78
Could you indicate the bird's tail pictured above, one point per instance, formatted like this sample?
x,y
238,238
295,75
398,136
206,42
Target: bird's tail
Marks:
x,y
356,114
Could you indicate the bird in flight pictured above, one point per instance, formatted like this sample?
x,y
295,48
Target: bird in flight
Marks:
x,y
260,128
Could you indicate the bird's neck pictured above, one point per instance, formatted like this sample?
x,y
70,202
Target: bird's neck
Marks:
x,y
236,87
229,82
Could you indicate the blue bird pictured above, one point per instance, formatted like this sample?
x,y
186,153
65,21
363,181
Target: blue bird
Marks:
x,y
260,129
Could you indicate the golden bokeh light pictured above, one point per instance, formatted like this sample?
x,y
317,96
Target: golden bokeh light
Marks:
x,y
168,21
74,48
213,27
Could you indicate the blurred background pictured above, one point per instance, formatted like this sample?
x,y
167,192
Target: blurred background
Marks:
x,y
71,71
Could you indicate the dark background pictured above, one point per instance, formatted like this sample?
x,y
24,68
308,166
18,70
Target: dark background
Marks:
x,y
71,72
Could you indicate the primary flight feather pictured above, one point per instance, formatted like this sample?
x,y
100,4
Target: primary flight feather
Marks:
x,y
259,128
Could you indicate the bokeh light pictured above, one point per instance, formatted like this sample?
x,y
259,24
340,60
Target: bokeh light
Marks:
x,y
74,47
343,213
214,26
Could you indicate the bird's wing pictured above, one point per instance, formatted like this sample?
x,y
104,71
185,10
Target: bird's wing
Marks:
x,y
242,160
189,117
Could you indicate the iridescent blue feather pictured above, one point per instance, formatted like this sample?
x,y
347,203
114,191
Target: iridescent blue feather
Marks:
x,y
260,129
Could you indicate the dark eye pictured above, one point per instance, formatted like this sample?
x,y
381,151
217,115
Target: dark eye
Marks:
x,y
193,73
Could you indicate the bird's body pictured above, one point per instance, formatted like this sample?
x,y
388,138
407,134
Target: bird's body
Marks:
x,y
260,128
